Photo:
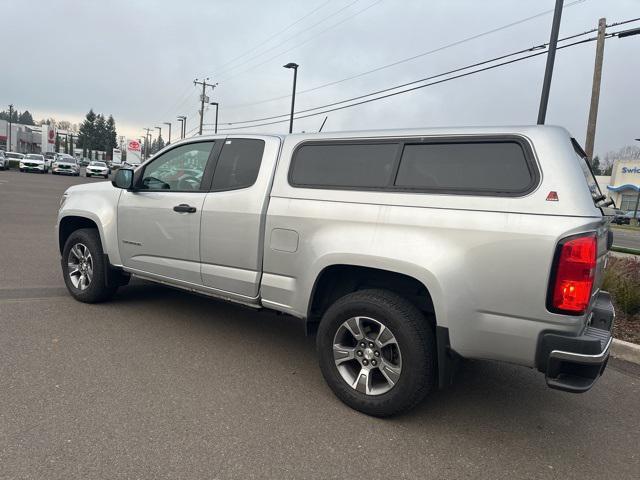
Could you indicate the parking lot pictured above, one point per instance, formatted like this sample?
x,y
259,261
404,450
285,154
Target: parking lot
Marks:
x,y
161,383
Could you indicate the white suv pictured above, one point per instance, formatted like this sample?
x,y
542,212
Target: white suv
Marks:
x,y
34,162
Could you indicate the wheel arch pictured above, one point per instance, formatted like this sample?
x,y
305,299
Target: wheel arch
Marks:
x,y
336,280
70,223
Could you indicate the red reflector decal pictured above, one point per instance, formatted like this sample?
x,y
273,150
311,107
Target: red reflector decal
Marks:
x,y
552,197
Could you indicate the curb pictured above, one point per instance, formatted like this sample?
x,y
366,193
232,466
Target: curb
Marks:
x,y
627,351
630,251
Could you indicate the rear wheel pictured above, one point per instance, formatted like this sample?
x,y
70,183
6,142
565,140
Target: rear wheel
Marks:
x,y
377,352
85,269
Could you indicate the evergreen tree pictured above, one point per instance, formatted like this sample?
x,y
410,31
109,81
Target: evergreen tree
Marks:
x,y
4,115
57,146
595,165
154,147
66,145
100,132
86,134
111,140
160,144
25,118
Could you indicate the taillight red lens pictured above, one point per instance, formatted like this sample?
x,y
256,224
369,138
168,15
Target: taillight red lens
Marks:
x,y
574,272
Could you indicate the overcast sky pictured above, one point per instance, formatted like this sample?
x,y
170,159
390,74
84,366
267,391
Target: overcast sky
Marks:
x,y
136,59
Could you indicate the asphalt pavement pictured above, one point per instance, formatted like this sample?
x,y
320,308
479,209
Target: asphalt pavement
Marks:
x,y
625,237
160,383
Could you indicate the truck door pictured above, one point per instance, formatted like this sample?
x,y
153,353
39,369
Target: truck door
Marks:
x,y
159,223
233,214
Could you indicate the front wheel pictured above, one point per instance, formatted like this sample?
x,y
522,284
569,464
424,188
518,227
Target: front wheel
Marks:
x,y
84,267
377,352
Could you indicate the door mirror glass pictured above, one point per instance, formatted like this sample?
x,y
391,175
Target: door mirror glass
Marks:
x,y
123,179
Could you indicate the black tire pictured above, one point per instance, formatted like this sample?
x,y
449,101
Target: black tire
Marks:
x,y
87,175
98,290
415,339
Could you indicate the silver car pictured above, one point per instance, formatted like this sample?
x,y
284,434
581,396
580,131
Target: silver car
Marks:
x,y
401,250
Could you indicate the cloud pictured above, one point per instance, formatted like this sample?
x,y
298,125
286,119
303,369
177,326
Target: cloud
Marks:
x,y
137,60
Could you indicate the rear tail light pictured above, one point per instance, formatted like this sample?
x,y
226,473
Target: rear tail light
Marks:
x,y
572,276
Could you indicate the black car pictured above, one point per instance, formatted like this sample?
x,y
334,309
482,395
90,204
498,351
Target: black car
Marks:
x,y
625,218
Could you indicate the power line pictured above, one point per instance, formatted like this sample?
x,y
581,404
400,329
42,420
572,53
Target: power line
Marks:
x,y
508,62
431,77
298,45
413,57
268,39
340,10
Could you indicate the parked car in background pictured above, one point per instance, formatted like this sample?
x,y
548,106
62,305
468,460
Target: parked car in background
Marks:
x,y
13,157
403,249
50,158
626,218
65,165
4,161
618,216
34,162
97,169
83,162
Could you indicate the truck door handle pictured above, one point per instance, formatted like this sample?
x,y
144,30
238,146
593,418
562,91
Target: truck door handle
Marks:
x,y
184,208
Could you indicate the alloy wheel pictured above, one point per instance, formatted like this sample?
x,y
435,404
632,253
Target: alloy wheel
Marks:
x,y
80,266
367,355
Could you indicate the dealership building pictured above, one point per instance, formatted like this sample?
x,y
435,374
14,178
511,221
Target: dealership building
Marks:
x,y
624,183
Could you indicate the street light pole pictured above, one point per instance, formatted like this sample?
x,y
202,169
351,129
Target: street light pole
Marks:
x,y
9,149
169,140
293,95
147,143
635,210
217,106
183,130
551,56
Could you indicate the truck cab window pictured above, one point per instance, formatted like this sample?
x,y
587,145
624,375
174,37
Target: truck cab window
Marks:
x,y
181,168
239,164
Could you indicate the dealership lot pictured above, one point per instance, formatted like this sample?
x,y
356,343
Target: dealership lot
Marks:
x,y
164,384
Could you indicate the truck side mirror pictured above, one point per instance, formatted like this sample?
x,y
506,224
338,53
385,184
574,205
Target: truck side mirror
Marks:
x,y
123,179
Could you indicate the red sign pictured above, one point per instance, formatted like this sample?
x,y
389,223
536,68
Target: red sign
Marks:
x,y
52,136
134,145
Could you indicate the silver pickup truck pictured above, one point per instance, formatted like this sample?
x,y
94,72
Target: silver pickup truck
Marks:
x,y
402,250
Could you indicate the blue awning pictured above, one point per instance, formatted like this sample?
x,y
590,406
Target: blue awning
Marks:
x,y
626,186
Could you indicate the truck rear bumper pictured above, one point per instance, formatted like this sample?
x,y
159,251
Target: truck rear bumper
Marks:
x,y
574,363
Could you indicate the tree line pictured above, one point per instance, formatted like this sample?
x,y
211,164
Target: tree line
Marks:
x,y
97,133
604,166
24,118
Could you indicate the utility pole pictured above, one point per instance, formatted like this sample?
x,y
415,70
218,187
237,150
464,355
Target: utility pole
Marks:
x,y
595,89
203,98
551,56
9,149
169,140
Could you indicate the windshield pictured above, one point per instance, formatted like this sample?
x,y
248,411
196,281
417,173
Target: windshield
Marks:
x,y
98,164
15,155
50,154
33,156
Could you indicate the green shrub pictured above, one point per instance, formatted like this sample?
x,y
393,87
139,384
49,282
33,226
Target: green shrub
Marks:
x,y
622,280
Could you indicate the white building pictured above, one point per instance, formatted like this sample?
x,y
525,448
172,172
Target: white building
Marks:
x,y
623,185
